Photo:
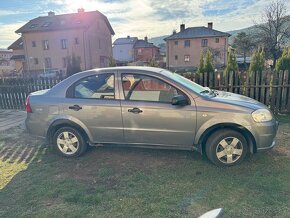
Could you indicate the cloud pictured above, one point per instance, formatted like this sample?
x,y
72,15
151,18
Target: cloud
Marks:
x,y
7,12
158,17
7,33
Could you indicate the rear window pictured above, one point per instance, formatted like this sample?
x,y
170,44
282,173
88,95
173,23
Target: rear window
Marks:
x,y
101,86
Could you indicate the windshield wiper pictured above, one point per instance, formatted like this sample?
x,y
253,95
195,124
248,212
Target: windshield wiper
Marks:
x,y
209,91
205,91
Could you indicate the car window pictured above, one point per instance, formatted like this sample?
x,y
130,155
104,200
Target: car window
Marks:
x,y
146,88
186,82
101,86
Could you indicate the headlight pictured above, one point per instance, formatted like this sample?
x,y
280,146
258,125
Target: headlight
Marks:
x,y
262,115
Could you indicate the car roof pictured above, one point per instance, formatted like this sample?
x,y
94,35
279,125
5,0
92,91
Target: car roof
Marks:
x,y
144,70
137,68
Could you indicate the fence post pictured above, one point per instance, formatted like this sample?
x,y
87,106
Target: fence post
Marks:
x,y
274,92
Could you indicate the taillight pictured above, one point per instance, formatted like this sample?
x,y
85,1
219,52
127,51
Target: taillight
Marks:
x,y
27,105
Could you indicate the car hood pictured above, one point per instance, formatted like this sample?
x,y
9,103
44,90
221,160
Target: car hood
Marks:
x,y
238,100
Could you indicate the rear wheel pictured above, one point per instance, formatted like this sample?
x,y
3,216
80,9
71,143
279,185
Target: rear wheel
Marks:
x,y
226,147
69,142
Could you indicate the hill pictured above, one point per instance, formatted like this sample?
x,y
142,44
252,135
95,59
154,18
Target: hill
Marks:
x,y
249,30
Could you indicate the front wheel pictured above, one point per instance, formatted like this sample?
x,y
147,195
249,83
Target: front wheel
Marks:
x,y
69,142
226,147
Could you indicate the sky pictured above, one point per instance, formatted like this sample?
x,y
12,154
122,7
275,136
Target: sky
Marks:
x,y
137,17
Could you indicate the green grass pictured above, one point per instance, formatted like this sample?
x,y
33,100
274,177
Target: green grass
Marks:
x,y
127,182
283,118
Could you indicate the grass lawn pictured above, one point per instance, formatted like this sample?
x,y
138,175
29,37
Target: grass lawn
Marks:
x,y
128,182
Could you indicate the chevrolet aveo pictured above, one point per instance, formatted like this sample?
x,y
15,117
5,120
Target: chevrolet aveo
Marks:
x,y
149,107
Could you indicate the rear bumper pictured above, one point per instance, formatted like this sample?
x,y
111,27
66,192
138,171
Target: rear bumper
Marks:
x,y
34,128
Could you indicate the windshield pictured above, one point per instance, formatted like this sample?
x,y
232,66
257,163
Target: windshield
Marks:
x,y
187,83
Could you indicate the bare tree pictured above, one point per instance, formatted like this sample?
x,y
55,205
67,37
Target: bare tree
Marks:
x,y
244,44
274,28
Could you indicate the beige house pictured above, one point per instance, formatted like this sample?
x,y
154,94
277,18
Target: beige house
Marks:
x,y
46,42
184,47
7,65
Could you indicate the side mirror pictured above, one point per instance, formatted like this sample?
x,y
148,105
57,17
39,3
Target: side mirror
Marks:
x,y
179,100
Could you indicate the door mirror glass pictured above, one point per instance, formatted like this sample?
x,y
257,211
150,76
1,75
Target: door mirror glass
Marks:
x,y
179,100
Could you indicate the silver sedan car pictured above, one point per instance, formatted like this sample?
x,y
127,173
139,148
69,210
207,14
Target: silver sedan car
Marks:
x,y
149,107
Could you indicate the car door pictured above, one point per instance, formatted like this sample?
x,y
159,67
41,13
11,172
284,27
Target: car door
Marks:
x,y
92,101
148,115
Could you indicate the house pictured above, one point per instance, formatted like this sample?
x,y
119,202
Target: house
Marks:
x,y
123,50
144,51
7,66
134,51
18,56
47,42
184,47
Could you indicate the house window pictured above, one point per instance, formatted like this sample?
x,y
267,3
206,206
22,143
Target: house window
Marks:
x,y
103,61
139,51
186,58
187,43
176,57
33,44
100,44
217,40
64,62
175,42
47,62
35,61
46,24
45,44
32,26
77,41
204,42
64,43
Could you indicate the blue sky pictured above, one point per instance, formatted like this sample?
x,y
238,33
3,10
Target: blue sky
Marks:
x,y
137,17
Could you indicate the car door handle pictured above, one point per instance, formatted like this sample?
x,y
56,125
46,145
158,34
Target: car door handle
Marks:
x,y
75,107
135,110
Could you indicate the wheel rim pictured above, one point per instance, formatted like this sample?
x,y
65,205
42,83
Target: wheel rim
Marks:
x,y
229,150
67,143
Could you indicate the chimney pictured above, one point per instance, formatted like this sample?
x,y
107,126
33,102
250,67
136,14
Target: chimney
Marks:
x,y
51,14
173,32
128,37
182,27
210,25
81,10
146,38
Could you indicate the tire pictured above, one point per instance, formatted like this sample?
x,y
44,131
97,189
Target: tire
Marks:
x,y
226,148
69,142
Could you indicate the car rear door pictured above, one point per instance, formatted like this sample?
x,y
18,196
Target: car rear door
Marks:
x,y
92,101
148,115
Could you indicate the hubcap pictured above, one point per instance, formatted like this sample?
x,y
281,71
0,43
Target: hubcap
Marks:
x,y
229,150
67,143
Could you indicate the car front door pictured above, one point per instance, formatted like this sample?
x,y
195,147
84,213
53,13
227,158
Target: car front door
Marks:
x,y
148,115
92,101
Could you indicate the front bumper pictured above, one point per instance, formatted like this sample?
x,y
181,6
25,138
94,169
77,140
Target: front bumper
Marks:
x,y
267,148
265,134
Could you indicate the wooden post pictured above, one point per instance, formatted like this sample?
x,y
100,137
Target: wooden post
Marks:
x,y
284,92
